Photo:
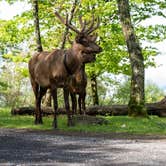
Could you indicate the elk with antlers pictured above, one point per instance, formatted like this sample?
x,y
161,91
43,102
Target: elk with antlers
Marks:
x,y
77,86
54,70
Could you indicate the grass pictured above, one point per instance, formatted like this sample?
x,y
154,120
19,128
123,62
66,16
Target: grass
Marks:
x,y
116,124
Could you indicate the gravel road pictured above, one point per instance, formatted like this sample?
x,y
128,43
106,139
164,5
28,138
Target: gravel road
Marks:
x,y
22,147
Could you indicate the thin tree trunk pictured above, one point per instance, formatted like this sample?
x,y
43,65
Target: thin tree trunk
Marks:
x,y
137,99
94,89
36,24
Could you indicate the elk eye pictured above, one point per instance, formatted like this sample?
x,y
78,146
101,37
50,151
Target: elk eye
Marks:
x,y
84,40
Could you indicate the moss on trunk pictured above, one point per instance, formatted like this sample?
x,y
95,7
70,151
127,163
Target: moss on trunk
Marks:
x,y
136,109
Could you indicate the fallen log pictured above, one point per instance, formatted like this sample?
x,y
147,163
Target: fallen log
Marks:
x,y
118,110
114,110
46,111
22,111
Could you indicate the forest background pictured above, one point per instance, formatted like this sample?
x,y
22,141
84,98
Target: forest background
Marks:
x,y
112,68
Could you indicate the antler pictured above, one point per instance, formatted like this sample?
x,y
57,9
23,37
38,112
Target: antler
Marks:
x,y
92,26
66,22
68,38
84,24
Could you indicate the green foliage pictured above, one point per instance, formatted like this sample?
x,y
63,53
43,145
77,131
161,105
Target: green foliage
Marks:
x,y
114,57
121,94
116,90
17,58
156,33
14,87
153,93
3,86
13,33
144,9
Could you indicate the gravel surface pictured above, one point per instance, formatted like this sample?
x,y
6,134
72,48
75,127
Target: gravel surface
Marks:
x,y
22,147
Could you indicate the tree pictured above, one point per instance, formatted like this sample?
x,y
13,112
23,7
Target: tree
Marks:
x,y
36,24
137,96
94,88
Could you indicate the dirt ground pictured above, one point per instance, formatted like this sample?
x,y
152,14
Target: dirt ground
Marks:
x,y
25,147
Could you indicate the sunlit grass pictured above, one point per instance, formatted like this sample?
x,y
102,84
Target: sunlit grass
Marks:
x,y
121,124
116,124
23,122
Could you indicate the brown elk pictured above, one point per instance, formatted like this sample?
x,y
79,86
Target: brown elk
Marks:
x,y
77,86
54,70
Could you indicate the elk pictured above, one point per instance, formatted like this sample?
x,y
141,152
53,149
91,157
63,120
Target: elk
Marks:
x,y
77,85
54,70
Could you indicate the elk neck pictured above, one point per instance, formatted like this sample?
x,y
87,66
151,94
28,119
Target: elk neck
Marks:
x,y
80,75
71,61
66,65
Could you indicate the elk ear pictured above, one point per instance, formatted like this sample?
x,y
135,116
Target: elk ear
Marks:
x,y
94,37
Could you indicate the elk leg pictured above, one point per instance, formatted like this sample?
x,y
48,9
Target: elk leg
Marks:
x,y
54,95
40,93
35,88
74,103
80,103
66,99
83,102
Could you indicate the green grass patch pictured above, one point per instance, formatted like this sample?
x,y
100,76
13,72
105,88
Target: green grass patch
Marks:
x,y
22,122
116,124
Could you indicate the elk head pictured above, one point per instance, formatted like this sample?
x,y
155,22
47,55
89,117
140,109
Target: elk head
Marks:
x,y
85,45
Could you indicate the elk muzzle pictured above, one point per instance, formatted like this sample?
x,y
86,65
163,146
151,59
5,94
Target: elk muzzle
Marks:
x,y
93,50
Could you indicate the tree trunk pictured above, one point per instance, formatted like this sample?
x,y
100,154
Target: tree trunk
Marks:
x,y
36,24
137,97
94,90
